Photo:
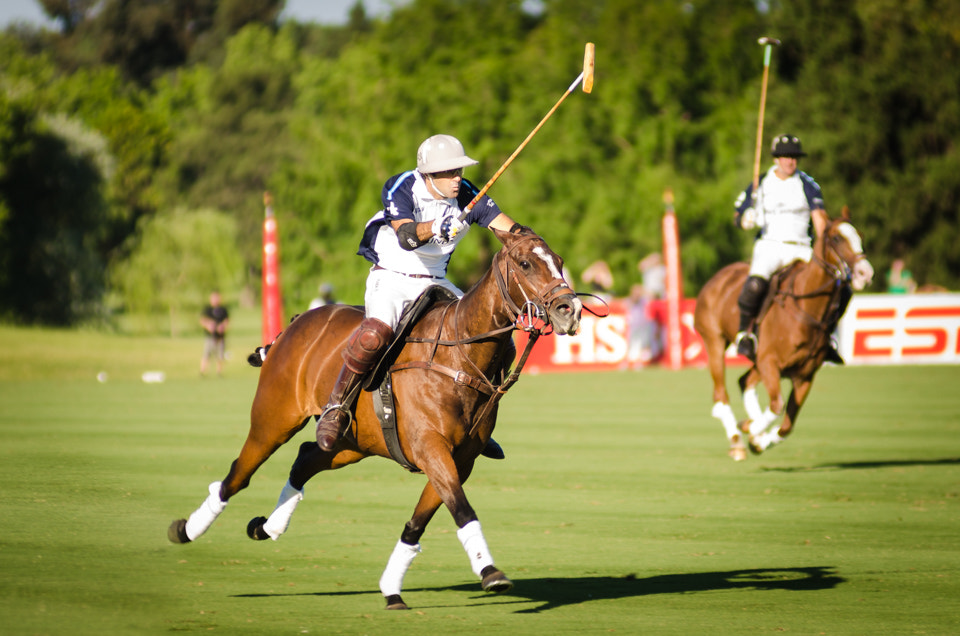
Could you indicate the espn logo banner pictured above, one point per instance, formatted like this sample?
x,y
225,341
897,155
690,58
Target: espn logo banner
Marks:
x,y
901,329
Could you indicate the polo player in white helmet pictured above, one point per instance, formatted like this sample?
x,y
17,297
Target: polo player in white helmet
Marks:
x,y
409,242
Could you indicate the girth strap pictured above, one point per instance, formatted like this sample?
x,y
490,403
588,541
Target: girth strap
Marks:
x,y
459,377
386,410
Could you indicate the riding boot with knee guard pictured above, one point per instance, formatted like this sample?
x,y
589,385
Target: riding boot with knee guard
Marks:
x,y
364,349
751,297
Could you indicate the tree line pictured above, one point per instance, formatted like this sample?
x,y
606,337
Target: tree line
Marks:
x,y
137,139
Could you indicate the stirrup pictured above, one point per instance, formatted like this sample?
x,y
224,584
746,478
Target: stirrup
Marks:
x,y
330,429
747,345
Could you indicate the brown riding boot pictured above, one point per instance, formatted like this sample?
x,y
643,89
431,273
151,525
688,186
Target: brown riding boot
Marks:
x,y
362,353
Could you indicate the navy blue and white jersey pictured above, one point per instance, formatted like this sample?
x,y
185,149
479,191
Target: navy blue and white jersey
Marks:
x,y
405,196
783,206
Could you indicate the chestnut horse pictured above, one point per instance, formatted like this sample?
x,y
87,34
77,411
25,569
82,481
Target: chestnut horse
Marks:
x,y
445,404
793,332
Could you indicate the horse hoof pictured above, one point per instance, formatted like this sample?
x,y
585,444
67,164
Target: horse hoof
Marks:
x,y
177,532
744,425
255,529
495,581
754,447
394,602
738,453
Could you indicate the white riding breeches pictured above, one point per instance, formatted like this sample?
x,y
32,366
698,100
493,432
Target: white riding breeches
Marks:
x,y
389,293
769,256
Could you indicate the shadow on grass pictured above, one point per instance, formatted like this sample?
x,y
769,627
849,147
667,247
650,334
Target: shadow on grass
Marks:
x,y
892,463
552,592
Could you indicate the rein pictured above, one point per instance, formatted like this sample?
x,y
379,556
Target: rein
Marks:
x,y
837,276
523,317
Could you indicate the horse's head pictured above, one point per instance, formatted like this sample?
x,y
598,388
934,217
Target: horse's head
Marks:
x,y
842,248
530,278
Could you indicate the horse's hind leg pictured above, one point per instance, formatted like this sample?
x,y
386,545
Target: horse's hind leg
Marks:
x,y
721,400
310,461
261,443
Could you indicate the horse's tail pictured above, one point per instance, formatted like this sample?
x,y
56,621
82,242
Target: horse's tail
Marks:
x,y
259,354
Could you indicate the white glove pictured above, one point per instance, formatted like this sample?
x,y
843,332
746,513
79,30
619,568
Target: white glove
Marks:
x,y
748,220
447,227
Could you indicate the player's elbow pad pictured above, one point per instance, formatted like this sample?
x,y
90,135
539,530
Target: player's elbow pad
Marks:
x,y
407,236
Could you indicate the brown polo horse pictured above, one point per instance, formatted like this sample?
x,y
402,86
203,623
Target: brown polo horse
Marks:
x,y
445,406
793,332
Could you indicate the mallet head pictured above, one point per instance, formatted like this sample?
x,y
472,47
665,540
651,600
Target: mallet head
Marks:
x,y
770,41
588,57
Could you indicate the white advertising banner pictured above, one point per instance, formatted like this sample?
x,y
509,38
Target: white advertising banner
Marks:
x,y
901,329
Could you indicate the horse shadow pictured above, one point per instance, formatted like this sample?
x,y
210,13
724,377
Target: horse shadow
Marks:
x,y
554,592
892,463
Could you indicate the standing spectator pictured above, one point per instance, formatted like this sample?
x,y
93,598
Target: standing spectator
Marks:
x,y
325,298
214,319
654,274
900,279
643,333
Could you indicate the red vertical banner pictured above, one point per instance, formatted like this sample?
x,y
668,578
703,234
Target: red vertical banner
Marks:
x,y
671,259
272,306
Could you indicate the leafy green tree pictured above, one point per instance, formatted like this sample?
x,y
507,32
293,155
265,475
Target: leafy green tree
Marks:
x,y
51,189
176,259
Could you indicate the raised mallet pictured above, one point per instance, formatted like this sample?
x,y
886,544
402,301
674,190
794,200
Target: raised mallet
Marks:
x,y
586,78
768,44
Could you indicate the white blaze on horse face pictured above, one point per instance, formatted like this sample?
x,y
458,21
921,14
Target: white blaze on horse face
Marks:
x,y
551,264
853,238
862,270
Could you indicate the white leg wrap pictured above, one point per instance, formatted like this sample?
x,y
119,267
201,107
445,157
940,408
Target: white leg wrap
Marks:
x,y
752,404
204,516
471,536
279,519
724,413
760,420
391,581
768,439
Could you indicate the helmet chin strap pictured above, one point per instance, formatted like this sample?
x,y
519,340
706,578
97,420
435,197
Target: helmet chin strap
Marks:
x,y
435,191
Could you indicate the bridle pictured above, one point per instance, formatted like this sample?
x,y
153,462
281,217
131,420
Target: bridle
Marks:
x,y
537,303
838,274
532,317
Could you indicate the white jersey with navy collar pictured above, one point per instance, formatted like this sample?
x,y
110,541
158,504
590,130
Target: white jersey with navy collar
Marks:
x,y
405,196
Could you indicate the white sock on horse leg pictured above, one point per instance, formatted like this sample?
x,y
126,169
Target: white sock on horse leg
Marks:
x,y
204,516
391,581
768,439
724,413
752,405
279,519
471,536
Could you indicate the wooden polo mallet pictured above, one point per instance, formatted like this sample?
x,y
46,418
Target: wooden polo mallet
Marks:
x,y
768,44
586,78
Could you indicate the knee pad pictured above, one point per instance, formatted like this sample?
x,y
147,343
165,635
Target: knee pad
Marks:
x,y
366,344
754,290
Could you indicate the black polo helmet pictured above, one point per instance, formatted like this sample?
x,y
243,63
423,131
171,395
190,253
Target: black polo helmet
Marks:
x,y
787,146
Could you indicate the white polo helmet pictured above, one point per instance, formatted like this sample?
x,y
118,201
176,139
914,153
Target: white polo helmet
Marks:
x,y
440,153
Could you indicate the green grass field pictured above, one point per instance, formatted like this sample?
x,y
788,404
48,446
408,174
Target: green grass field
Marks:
x,y
617,509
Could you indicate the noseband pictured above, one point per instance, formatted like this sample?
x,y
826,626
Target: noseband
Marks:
x,y
537,302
